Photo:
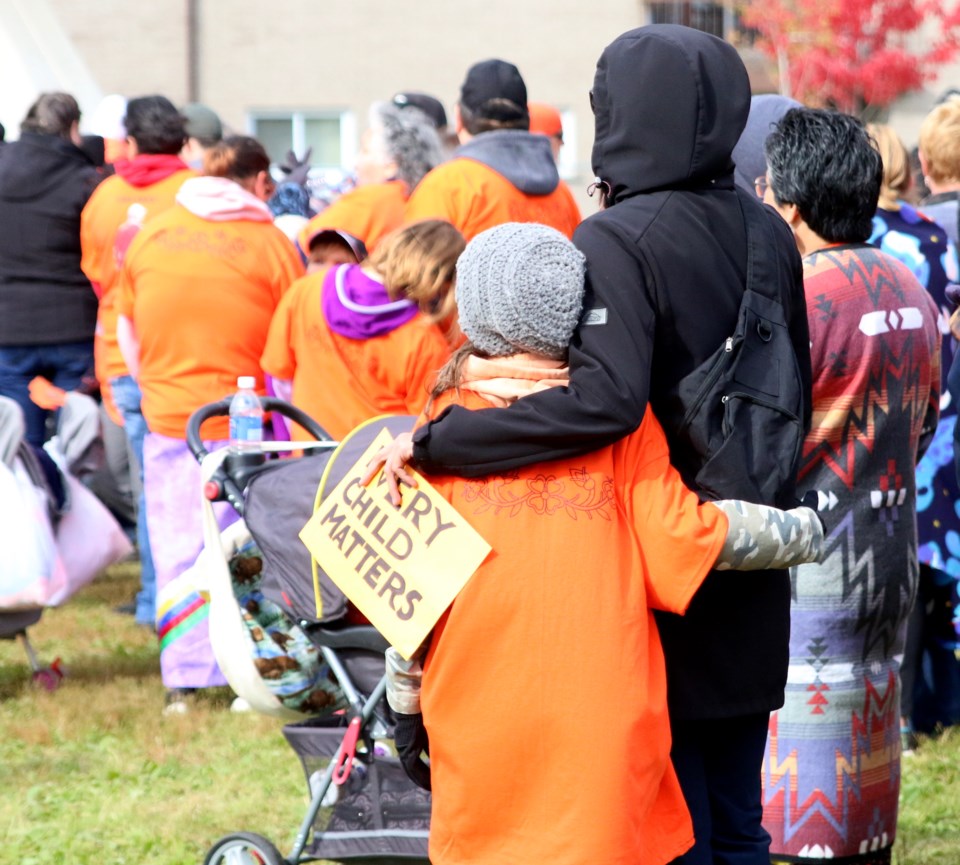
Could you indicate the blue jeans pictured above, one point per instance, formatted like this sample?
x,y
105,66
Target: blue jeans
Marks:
x,y
126,397
718,764
64,364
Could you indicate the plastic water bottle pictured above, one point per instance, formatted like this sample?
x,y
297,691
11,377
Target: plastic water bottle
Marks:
x,y
246,417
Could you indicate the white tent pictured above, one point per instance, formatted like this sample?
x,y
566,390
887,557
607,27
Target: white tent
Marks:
x,y
37,56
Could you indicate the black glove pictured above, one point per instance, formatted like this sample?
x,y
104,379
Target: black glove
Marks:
x,y
410,737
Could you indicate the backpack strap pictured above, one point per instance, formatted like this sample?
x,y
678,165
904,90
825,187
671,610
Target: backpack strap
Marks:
x,y
763,264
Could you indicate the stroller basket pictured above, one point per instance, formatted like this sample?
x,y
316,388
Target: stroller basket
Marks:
x,y
377,813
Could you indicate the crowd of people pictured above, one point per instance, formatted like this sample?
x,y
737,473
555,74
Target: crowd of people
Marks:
x,y
743,717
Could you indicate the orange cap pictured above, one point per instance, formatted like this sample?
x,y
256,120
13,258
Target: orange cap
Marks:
x,y
545,119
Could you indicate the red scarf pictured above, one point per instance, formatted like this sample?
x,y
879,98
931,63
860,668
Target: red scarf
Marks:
x,y
149,168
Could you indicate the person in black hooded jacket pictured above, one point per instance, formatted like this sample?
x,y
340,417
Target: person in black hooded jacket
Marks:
x,y
48,310
666,269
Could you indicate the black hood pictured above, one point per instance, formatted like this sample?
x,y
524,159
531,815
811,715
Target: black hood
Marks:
x,y
669,103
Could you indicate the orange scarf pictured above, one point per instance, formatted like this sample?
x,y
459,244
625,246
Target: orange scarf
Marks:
x,y
504,380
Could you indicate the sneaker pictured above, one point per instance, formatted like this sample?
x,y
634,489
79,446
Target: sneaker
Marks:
x,y
177,701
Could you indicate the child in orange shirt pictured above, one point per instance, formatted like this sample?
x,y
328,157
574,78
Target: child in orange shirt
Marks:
x,y
354,341
544,688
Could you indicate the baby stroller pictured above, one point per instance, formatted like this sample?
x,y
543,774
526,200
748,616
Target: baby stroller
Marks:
x,y
362,805
55,533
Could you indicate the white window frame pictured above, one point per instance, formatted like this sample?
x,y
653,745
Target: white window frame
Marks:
x,y
299,118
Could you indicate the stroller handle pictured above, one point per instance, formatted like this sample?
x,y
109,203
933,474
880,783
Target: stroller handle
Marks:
x,y
230,479
268,403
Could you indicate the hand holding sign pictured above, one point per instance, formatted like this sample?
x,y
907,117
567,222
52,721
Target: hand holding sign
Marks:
x,y
401,567
393,459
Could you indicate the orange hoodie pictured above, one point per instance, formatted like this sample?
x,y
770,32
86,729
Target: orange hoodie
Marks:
x,y
341,382
497,177
104,213
201,295
367,212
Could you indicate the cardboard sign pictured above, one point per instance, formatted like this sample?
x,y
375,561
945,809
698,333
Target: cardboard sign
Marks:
x,y
402,567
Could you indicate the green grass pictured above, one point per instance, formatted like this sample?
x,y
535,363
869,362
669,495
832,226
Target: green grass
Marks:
x,y
928,832
93,773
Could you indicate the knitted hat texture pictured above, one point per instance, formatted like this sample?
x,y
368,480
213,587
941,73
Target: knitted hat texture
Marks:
x,y
520,289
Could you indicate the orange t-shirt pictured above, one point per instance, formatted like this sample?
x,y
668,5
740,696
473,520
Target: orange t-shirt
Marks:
x,y
201,295
367,212
103,214
544,688
474,197
341,382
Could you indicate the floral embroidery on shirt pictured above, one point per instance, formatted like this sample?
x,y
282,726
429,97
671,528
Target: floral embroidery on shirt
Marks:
x,y
578,494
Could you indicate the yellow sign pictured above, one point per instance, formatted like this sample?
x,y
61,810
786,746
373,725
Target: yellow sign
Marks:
x,y
402,567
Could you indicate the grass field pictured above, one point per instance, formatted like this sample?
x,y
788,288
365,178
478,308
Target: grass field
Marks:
x,y
93,774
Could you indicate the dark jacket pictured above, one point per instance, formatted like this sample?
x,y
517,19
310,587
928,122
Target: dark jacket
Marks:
x,y
44,297
666,268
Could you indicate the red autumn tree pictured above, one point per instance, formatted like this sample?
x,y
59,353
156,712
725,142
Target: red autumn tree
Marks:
x,y
856,55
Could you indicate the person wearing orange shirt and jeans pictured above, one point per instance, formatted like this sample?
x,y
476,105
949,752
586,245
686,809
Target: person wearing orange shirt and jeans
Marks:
x,y
144,185
350,342
549,661
198,289
501,172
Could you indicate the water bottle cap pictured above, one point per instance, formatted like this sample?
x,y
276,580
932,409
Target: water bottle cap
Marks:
x,y
246,382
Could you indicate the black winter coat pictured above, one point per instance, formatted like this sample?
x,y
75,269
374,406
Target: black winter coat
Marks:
x,y
666,268
44,297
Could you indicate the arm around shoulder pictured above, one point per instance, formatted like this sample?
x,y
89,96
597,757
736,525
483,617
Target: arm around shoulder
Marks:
x,y
609,381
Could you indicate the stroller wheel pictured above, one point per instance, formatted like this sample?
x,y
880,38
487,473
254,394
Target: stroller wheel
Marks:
x,y
49,678
244,848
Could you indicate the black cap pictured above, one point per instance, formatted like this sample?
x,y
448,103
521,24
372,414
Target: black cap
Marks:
x,y
430,106
494,89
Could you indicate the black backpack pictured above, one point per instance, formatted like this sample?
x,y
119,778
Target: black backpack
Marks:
x,y
738,418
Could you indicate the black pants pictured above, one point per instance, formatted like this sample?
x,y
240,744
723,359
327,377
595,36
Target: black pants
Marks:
x,y
930,672
718,763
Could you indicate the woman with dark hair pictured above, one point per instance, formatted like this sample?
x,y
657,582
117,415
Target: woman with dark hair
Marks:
x,y
198,289
831,773
48,310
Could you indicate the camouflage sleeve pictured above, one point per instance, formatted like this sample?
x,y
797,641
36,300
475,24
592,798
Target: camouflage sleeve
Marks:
x,y
403,682
761,537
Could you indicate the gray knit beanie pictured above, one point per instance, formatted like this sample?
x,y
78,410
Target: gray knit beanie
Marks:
x,y
520,289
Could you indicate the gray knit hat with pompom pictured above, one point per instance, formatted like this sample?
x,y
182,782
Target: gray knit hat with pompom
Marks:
x,y
520,289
